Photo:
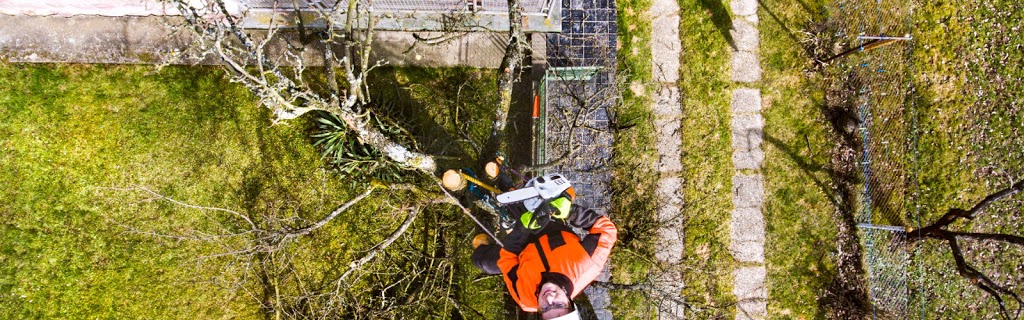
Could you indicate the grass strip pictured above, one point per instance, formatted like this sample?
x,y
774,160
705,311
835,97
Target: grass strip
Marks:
x,y
706,88
800,209
634,201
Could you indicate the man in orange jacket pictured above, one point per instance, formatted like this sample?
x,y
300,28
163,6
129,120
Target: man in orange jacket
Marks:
x,y
546,268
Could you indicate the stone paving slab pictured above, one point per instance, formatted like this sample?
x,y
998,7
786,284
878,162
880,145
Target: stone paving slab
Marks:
x,y
745,35
670,234
746,100
667,102
753,19
669,153
743,7
664,8
747,131
745,67
747,251
665,47
750,283
748,191
666,63
665,58
670,189
748,225
669,281
747,160
752,309
747,134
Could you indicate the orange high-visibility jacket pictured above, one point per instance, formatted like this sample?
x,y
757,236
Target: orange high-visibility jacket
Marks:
x,y
580,261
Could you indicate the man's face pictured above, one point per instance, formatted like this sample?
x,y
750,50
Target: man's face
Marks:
x,y
553,301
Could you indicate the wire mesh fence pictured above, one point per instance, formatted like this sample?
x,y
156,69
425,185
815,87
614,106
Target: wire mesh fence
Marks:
x,y
880,75
580,90
890,271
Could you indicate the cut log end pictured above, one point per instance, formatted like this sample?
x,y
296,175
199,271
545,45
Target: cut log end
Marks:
x,y
492,170
453,181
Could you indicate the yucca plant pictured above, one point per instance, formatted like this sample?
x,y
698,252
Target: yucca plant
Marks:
x,y
346,155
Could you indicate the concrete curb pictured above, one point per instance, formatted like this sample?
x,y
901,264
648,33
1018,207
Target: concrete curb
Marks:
x,y
747,223
666,50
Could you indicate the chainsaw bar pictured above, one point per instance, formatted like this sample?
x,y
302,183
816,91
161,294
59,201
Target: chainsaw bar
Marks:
x,y
544,187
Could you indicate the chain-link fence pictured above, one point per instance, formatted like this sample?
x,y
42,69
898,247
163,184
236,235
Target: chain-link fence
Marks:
x,y
878,72
936,88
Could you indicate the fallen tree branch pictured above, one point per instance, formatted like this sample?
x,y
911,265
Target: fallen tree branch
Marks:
x,y
288,97
465,210
328,218
377,249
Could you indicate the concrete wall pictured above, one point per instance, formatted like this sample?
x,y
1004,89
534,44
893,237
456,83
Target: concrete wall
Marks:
x,y
87,39
479,49
110,8
149,39
396,16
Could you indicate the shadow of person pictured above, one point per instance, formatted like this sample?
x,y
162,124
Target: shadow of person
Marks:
x,y
720,17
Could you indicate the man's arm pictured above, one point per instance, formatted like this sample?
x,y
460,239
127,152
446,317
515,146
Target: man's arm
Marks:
x,y
601,239
514,244
508,262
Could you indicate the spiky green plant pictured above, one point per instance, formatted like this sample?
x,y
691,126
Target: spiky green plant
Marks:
x,y
347,156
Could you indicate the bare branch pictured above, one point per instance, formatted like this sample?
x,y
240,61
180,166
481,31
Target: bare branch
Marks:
x,y
465,210
990,237
955,214
982,281
159,196
377,249
328,218
984,203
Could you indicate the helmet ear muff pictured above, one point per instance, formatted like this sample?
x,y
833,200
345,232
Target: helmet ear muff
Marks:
x,y
570,193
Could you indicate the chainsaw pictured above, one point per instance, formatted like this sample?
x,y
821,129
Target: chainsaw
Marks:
x,y
532,204
545,197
